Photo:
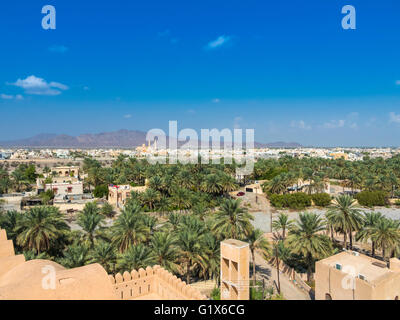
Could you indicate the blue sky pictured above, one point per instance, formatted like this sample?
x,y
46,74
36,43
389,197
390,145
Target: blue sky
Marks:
x,y
285,68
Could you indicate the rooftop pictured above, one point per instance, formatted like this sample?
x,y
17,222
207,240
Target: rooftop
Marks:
x,y
236,243
372,269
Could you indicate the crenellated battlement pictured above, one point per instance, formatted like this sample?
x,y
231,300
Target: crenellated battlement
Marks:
x,y
151,283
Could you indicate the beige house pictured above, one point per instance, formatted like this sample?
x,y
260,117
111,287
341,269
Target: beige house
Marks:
x,y
65,188
118,195
353,276
40,181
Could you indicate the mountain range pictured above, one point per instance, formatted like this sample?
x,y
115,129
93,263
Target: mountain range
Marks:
x,y
116,139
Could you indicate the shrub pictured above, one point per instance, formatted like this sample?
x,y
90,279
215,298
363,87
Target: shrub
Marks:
x,y
372,198
277,200
215,294
321,199
107,210
298,200
100,191
277,297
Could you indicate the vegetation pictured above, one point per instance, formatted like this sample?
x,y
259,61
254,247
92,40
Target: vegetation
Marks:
x,y
305,239
321,199
372,198
100,191
297,200
194,212
345,217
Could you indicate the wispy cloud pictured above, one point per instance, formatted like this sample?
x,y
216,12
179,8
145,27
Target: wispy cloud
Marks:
x,y
393,117
58,49
333,124
219,42
398,82
11,97
300,125
166,34
216,100
127,116
6,96
39,86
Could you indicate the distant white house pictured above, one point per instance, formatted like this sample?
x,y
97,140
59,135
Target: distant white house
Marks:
x,y
5,155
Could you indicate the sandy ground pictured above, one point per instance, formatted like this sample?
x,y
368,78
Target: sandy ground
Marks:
x,y
288,289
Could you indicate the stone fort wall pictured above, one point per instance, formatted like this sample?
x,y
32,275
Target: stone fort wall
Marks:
x,y
154,281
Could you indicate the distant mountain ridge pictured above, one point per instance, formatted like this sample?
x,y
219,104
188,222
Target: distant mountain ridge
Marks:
x,y
116,139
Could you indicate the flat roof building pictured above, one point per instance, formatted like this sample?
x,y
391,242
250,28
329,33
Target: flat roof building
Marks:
x,y
353,276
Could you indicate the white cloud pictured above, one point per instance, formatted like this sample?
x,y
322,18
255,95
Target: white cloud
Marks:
x,y
38,86
393,117
220,41
11,97
6,96
300,125
334,124
58,49
398,82
216,100
127,116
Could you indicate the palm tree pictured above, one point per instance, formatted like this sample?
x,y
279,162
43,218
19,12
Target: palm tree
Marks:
x,y
107,210
200,210
227,183
91,221
210,257
129,228
257,241
386,235
104,253
149,197
135,257
306,238
9,221
190,244
174,220
163,205
279,252
370,220
39,226
276,185
211,184
346,215
76,255
282,223
232,221
181,198
19,179
31,255
164,250
185,179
